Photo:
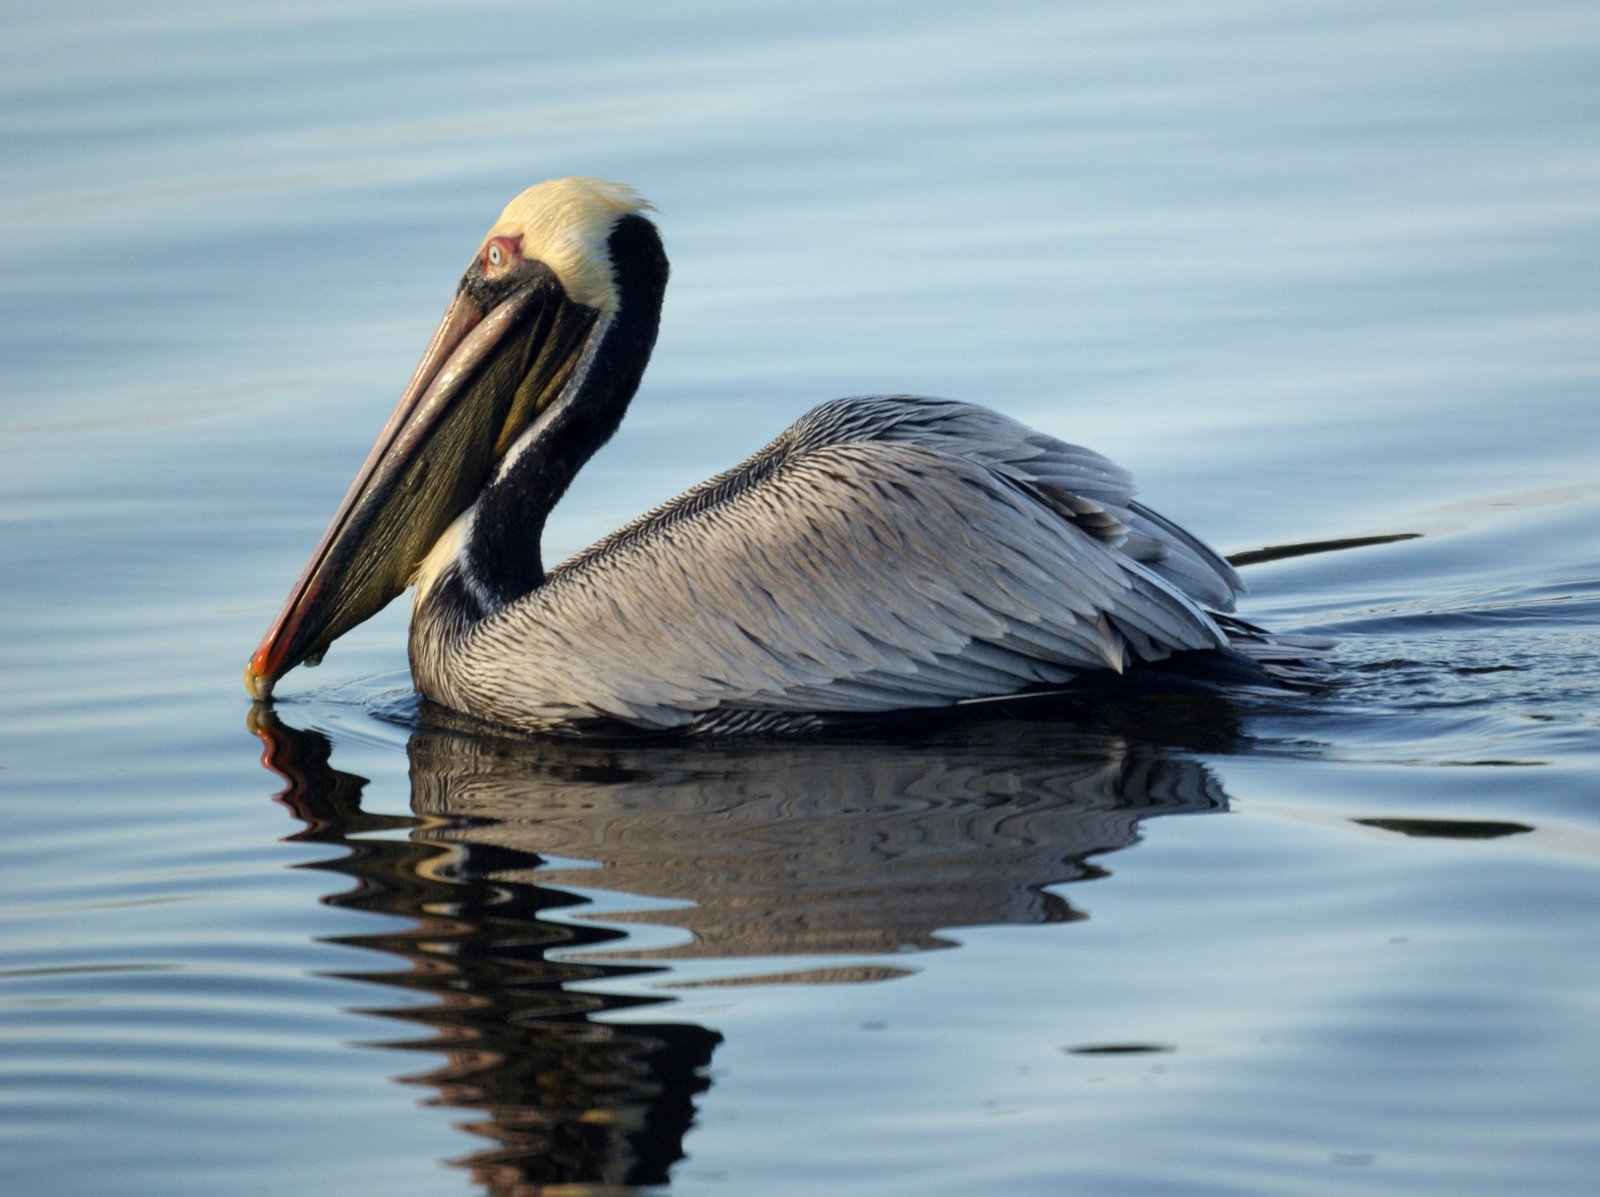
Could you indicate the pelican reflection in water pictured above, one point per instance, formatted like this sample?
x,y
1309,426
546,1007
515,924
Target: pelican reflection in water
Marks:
x,y
883,555
823,862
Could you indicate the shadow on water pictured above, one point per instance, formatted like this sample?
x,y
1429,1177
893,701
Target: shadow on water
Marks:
x,y
769,851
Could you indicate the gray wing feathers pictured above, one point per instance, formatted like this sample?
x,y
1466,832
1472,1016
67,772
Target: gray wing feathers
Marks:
x,y
882,554
1091,490
1194,566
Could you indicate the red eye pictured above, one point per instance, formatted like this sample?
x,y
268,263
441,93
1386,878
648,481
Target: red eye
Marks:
x,y
500,253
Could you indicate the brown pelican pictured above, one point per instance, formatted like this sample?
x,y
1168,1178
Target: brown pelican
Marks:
x,y
885,554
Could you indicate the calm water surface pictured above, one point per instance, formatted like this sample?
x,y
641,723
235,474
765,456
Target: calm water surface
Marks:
x,y
1319,273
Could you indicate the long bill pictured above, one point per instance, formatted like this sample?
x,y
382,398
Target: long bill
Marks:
x,y
479,382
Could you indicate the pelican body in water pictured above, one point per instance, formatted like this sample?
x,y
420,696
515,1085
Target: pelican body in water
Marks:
x,y
885,554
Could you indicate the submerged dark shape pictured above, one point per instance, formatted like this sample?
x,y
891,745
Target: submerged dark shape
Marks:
x,y
1448,829
885,554
1310,548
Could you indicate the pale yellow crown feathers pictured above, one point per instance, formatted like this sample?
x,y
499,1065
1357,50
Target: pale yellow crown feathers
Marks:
x,y
564,223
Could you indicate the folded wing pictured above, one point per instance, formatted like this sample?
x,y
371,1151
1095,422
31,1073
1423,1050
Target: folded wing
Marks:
x,y
883,554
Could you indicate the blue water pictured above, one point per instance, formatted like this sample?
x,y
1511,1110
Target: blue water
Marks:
x,y
1315,272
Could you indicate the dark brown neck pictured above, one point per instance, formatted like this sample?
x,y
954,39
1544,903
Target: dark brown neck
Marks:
x,y
502,554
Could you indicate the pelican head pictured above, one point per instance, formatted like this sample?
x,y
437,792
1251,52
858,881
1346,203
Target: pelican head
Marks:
x,y
513,365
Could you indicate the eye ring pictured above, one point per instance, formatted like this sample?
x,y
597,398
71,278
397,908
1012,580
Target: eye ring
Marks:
x,y
499,255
